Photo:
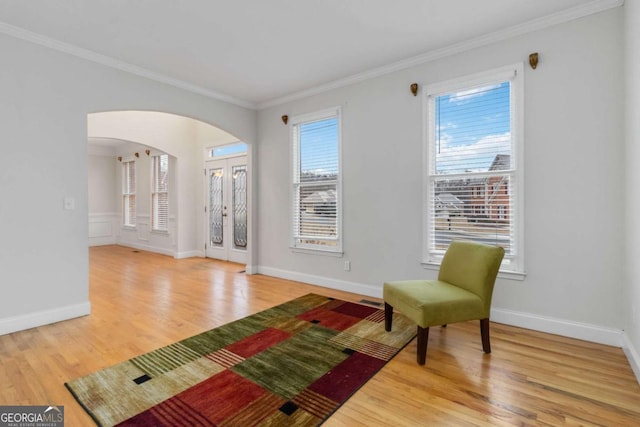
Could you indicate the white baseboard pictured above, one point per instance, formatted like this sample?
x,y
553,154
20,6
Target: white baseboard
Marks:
x,y
552,325
45,317
188,254
102,241
163,251
632,355
567,328
148,248
342,285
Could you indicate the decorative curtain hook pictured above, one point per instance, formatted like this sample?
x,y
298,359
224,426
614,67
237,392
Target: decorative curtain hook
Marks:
x,y
533,60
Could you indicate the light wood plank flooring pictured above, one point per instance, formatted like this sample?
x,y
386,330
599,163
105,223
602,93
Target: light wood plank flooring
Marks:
x,y
142,301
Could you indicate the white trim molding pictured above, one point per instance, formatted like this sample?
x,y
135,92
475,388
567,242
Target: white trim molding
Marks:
x,y
632,355
189,254
563,327
45,317
148,248
577,12
342,285
21,33
142,237
103,228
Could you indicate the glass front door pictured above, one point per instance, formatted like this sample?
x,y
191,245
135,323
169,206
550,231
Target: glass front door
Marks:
x,y
227,209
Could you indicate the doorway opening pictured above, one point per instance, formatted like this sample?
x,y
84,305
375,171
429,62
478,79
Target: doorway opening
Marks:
x,y
187,143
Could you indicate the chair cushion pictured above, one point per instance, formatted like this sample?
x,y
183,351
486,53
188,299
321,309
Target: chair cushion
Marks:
x,y
472,266
433,302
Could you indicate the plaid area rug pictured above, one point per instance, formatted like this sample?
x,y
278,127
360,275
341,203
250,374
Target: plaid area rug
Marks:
x,y
291,365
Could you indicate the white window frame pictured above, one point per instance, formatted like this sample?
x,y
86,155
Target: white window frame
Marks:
x,y
126,194
513,267
296,243
153,192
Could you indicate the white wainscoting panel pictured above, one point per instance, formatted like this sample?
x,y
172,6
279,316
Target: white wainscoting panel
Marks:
x,y
103,228
142,237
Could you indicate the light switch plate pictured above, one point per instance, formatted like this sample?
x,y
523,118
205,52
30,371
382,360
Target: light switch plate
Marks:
x,y
69,203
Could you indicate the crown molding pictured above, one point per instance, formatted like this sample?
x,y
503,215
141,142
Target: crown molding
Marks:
x,y
79,52
571,14
577,12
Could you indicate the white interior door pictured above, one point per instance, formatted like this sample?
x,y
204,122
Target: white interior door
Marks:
x,y
226,210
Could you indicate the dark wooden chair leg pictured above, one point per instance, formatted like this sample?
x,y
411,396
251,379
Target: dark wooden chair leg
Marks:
x,y
388,317
484,331
423,339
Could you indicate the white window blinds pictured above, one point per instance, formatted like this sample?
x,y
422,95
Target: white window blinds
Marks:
x,y
472,174
160,192
129,193
316,181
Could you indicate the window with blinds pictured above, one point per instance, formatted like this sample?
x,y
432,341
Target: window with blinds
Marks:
x,y
160,192
316,180
129,193
472,187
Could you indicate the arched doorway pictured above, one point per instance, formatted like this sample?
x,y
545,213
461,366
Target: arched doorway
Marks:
x,y
186,142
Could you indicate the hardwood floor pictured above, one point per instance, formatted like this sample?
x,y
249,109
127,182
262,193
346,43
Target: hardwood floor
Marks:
x,y
142,301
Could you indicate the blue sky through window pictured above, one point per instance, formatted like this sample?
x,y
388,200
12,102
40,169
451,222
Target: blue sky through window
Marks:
x,y
230,149
319,147
471,128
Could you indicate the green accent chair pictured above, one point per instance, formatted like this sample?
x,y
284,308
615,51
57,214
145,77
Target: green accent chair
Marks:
x,y
462,292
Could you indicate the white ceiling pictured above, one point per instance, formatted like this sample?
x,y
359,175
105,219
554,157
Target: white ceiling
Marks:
x,y
256,52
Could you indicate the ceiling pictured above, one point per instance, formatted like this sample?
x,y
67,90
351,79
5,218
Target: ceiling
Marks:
x,y
257,52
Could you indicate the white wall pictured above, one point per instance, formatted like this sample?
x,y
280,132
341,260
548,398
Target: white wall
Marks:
x,y
103,207
573,179
46,96
102,184
631,295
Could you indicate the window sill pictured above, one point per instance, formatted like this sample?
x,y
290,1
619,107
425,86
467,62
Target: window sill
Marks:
x,y
129,227
502,274
160,232
337,254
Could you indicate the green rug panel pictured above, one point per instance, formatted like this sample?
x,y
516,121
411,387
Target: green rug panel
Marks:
x,y
289,367
215,339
